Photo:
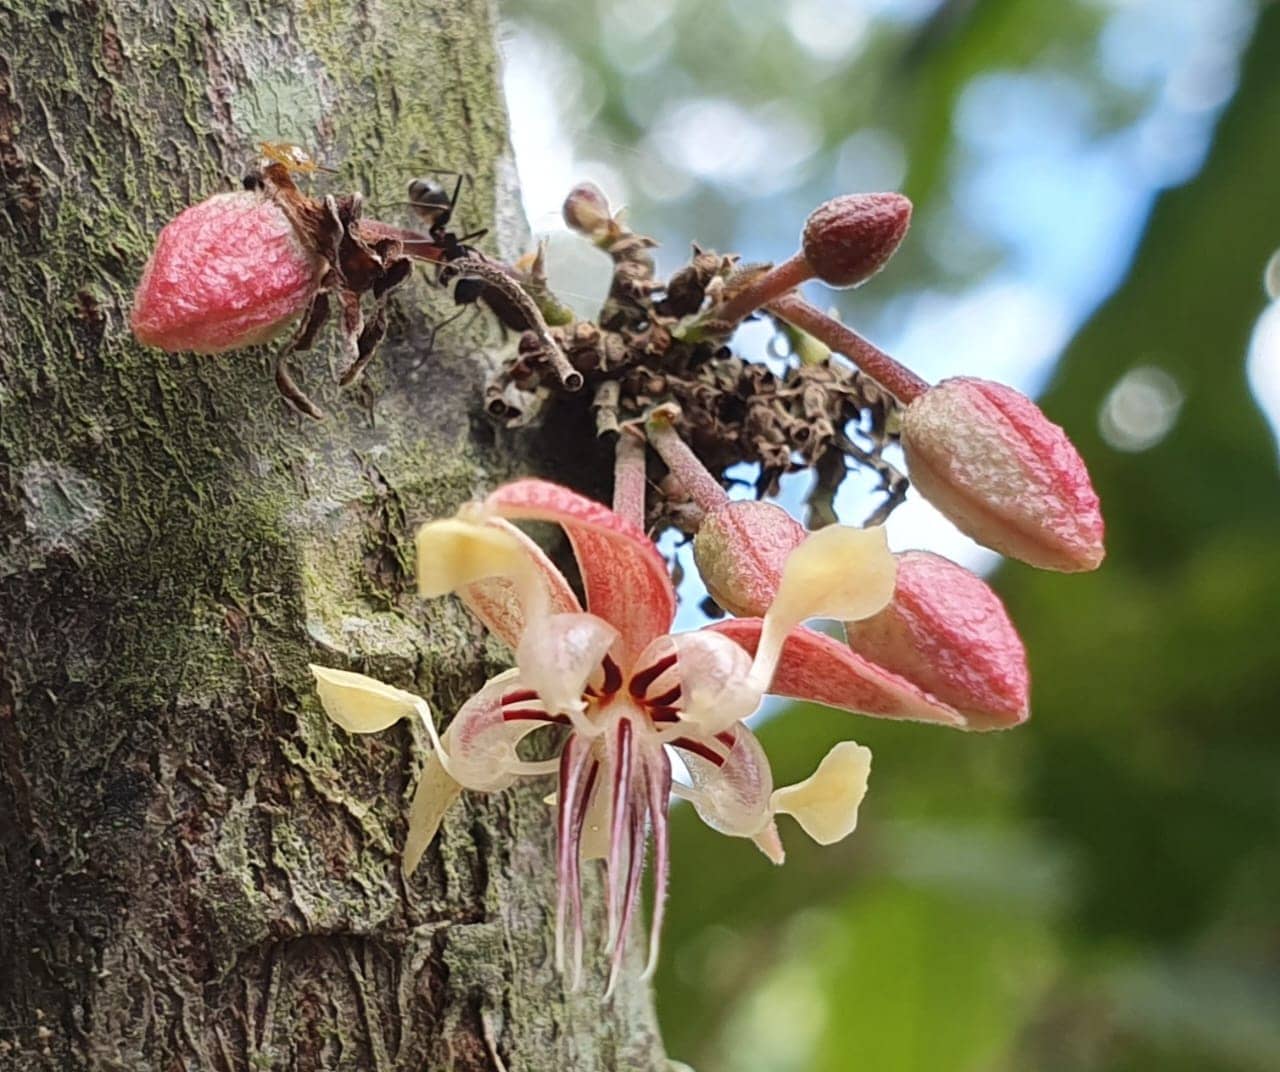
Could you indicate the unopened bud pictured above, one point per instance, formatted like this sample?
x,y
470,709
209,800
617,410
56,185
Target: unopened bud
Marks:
x,y
586,210
226,273
947,632
740,550
1003,473
848,239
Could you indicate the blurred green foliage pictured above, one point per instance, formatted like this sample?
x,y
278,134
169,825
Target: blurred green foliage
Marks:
x,y
1099,889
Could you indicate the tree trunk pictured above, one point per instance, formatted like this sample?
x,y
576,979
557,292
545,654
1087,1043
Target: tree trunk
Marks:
x,y
199,871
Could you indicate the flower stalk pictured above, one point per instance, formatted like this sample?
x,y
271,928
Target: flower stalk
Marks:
x,y
893,376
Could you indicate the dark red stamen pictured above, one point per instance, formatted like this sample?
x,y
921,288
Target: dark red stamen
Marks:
x,y
699,749
528,714
666,699
664,714
641,681
612,677
519,696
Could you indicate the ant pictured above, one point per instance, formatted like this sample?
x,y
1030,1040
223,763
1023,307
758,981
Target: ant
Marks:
x,y
480,277
435,207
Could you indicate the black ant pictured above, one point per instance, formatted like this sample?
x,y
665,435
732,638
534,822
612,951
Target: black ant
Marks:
x,y
435,206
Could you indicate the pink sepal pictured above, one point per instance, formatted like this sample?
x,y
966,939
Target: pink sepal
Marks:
x,y
626,580
496,602
820,669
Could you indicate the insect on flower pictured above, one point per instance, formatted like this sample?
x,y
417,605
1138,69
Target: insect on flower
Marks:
x,y
237,269
294,158
480,279
625,693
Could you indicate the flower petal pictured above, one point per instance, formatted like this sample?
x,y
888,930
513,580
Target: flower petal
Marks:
x,y
497,602
435,794
731,797
826,803
712,672
626,580
480,744
558,657
820,669
361,704
837,572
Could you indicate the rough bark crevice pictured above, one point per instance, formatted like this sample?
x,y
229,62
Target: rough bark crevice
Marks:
x,y
199,871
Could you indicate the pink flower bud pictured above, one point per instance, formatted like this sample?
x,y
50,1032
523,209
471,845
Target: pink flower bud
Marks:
x,y
586,210
1003,473
226,273
740,550
848,239
948,633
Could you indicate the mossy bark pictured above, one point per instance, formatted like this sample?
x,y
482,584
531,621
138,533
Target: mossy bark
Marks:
x,y
199,871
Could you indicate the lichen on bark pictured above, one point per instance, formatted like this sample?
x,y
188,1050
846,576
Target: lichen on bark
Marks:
x,y
198,870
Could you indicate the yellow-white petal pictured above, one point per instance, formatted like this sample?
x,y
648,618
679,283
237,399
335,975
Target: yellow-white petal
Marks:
x,y
837,572
434,795
361,704
557,658
826,803
456,552
769,843
713,672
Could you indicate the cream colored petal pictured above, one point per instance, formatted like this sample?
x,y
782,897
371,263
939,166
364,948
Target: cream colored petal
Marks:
x,y
479,747
837,572
434,795
732,797
456,552
557,658
826,803
362,704
769,843
713,674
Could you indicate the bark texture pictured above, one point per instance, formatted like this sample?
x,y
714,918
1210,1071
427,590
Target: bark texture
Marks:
x,y
199,872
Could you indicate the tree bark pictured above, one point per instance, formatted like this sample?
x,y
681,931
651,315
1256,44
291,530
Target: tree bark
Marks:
x,y
199,871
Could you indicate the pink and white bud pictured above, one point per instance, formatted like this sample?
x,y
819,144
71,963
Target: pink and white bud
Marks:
x,y
586,210
740,550
848,239
226,273
1003,473
947,632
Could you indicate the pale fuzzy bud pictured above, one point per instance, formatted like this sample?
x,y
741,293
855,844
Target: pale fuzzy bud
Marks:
x,y
1003,473
226,273
740,550
947,632
586,210
848,239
